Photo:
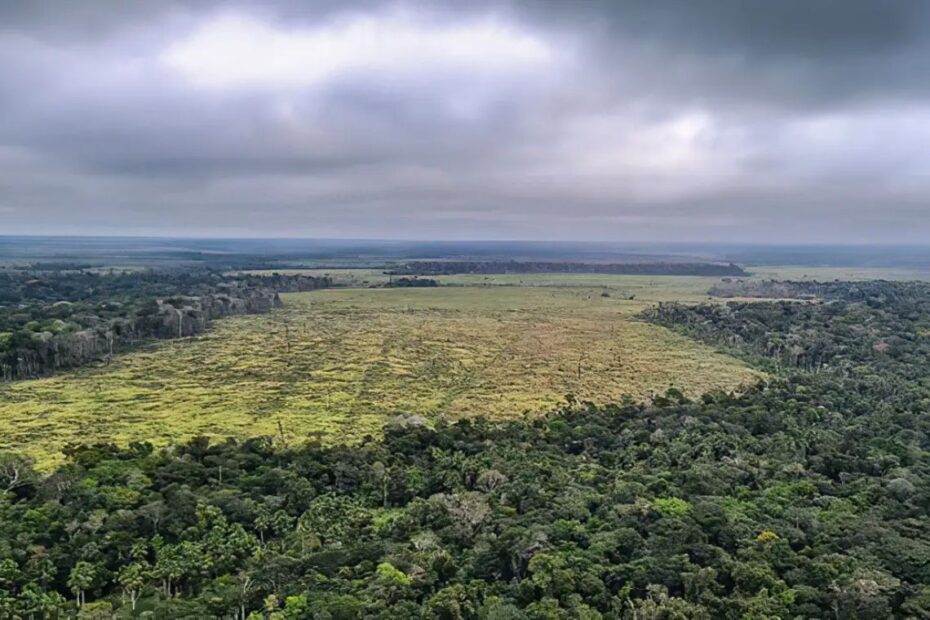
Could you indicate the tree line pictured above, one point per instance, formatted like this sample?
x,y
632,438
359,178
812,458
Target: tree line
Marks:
x,y
63,318
498,267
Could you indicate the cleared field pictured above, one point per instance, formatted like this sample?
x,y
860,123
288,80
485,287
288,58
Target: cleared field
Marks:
x,y
336,363
648,288
667,286
838,273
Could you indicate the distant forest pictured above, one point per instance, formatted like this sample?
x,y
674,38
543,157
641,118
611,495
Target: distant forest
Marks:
x,y
633,268
62,318
411,283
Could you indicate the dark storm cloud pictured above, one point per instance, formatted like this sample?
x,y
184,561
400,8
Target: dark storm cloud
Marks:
x,y
675,120
791,52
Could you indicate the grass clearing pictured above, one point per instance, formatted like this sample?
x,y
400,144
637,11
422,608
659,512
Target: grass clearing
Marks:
x,y
826,274
337,363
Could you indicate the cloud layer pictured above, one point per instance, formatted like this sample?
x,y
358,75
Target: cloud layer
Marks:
x,y
787,121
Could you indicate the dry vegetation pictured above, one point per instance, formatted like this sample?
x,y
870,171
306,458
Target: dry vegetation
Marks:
x,y
826,274
336,363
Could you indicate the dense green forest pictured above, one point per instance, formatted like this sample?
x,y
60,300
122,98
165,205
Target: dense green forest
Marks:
x,y
869,330
877,290
413,282
665,268
805,497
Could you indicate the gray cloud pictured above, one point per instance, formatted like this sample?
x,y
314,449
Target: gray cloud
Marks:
x,y
725,120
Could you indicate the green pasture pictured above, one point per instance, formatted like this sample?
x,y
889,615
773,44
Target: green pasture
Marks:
x,y
335,364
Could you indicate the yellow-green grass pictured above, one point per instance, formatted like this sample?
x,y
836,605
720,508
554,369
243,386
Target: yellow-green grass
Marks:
x,y
642,288
826,274
664,285
338,363
655,288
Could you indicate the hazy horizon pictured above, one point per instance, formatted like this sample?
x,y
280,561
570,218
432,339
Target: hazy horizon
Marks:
x,y
789,123
645,244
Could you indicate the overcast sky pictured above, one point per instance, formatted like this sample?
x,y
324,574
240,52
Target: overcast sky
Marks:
x,y
785,121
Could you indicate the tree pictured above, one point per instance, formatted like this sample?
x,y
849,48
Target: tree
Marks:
x,y
98,610
132,578
380,474
548,572
10,576
37,601
15,471
80,579
295,608
390,583
450,603
244,586
658,605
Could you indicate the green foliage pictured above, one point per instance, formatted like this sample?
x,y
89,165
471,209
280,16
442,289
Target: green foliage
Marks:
x,y
672,507
390,576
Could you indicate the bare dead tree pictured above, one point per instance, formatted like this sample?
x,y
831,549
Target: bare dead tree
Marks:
x,y
281,434
15,471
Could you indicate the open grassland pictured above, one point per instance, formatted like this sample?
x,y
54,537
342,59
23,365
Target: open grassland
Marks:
x,y
337,363
826,274
668,286
649,288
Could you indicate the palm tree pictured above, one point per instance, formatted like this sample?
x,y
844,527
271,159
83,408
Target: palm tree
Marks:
x,y
80,579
